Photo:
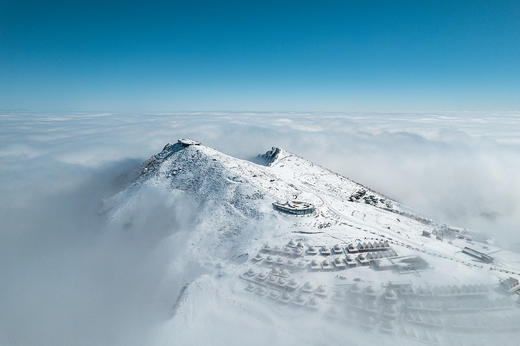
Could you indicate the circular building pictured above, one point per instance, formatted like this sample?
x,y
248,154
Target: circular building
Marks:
x,y
294,207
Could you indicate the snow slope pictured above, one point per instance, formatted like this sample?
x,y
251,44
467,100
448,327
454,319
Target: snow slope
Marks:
x,y
236,221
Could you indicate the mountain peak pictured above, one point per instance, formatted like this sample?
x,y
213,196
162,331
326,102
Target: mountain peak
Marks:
x,y
269,157
152,164
290,233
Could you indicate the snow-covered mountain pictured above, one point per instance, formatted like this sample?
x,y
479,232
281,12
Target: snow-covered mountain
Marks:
x,y
358,266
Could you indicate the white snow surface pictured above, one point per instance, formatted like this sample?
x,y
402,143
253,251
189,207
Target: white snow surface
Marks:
x,y
237,219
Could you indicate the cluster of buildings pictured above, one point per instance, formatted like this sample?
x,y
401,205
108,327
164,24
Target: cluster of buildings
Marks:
x,y
277,284
426,313
297,255
286,275
361,195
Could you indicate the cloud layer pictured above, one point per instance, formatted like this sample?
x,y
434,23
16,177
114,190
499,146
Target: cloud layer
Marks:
x,y
72,274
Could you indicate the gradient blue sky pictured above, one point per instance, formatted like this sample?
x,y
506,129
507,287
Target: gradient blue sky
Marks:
x,y
265,55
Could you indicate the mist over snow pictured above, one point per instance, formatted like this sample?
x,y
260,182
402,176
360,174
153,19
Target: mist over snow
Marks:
x,y
78,271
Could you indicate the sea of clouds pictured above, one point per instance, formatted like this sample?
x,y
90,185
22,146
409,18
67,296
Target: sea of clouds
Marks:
x,y
69,278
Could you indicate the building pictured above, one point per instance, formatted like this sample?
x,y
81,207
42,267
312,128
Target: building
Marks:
x,y
478,255
383,264
294,207
185,142
510,285
409,263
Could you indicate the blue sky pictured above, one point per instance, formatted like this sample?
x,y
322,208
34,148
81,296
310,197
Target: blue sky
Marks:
x,y
265,55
